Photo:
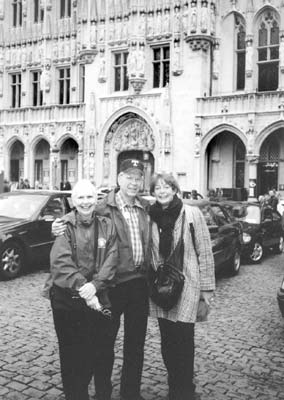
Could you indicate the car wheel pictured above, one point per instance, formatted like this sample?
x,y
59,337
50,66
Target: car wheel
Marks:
x,y
12,260
279,248
257,253
235,262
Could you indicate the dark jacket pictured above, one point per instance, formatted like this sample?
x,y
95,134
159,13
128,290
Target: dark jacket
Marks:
x,y
66,273
125,268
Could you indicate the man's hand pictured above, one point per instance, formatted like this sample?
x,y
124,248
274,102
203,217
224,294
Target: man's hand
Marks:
x,y
58,227
208,297
94,303
87,291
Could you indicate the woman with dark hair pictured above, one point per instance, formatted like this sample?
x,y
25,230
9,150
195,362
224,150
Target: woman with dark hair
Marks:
x,y
171,220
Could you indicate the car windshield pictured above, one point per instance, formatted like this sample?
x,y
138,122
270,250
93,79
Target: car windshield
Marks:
x,y
21,206
251,215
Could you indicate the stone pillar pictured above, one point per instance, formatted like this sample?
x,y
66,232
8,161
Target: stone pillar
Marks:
x,y
54,167
26,164
252,176
249,64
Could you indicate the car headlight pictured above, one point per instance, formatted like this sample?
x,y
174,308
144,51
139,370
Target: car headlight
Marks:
x,y
246,237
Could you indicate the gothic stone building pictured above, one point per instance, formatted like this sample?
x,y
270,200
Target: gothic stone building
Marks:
x,y
193,87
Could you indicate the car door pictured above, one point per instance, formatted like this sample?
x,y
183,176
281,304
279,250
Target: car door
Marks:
x,y
227,234
277,227
267,228
55,207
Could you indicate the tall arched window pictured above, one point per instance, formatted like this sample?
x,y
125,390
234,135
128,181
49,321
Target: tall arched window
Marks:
x,y
240,53
268,52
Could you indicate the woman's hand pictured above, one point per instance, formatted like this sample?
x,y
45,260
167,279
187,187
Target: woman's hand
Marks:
x,y
87,291
208,297
58,227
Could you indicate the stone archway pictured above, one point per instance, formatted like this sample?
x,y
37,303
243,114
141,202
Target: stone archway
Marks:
x,y
130,132
17,161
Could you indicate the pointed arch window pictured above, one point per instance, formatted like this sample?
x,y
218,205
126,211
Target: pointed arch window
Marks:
x,y
268,53
240,53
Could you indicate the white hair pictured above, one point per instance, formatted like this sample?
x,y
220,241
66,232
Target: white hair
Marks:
x,y
81,185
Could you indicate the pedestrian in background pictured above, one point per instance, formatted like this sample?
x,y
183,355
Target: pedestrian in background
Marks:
x,y
83,264
172,221
130,296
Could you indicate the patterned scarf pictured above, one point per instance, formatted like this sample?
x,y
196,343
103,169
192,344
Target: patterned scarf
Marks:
x,y
165,219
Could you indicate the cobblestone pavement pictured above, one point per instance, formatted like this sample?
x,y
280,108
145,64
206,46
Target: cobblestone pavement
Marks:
x,y
239,351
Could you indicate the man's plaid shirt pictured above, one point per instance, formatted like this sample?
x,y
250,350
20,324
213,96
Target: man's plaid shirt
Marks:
x,y
131,216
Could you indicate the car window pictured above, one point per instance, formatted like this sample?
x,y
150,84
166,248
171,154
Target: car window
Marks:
x,y
20,206
252,215
220,216
206,211
54,207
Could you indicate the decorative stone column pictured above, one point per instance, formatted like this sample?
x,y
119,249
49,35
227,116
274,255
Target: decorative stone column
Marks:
x,y
249,64
80,164
54,168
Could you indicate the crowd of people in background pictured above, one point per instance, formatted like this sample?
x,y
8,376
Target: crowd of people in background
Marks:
x,y
271,198
25,184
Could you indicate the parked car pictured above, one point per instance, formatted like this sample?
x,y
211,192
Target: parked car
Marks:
x,y
25,228
226,235
280,298
262,228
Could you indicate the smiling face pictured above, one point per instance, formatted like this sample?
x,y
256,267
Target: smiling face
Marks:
x,y
84,198
163,192
130,182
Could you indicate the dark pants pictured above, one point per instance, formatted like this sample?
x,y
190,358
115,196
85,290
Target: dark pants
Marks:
x,y
131,299
177,345
81,337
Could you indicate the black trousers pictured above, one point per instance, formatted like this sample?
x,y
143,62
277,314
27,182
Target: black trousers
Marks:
x,y
81,338
130,299
177,346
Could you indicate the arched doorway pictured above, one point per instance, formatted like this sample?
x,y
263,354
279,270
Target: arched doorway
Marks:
x,y
268,164
226,155
17,161
69,162
146,158
41,164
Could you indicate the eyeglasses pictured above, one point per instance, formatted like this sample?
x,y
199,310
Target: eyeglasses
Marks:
x,y
134,179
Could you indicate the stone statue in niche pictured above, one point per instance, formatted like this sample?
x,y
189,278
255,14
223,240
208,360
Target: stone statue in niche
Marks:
x,y
1,84
158,30
24,57
102,70
212,19
45,79
281,54
24,8
131,63
250,140
177,20
106,165
249,57
61,48
142,24
140,62
185,18
216,62
8,56
204,18
118,29
101,32
193,19
93,34
1,60
125,28
67,51
55,50
111,30
167,22
177,58
150,24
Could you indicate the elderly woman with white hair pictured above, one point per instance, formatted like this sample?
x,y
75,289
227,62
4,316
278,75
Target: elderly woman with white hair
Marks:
x,y
83,265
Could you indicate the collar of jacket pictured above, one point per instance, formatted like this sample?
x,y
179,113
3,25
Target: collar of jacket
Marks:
x,y
71,218
110,201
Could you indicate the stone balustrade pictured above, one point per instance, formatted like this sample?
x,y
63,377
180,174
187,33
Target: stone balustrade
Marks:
x,y
262,102
44,114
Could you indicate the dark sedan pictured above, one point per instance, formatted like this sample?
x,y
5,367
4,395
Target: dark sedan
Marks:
x,y
280,298
25,228
226,235
262,227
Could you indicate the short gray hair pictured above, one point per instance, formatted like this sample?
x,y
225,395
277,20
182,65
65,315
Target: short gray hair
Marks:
x,y
82,184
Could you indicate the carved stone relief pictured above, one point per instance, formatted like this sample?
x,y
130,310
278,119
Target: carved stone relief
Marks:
x,y
134,134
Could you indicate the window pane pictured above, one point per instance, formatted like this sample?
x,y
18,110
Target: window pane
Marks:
x,y
14,14
262,54
274,53
157,54
241,42
125,79
36,9
156,76
67,72
61,73
34,94
166,53
117,59
241,67
125,56
262,36
67,91
268,76
62,8
117,77
274,38
69,8
61,92
20,13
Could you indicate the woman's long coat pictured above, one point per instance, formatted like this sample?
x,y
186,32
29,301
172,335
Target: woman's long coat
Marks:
x,y
198,266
